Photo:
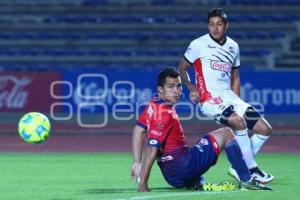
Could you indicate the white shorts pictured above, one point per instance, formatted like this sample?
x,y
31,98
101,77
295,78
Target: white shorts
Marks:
x,y
214,109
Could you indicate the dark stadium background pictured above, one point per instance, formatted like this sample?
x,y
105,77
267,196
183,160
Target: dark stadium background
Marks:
x,y
90,65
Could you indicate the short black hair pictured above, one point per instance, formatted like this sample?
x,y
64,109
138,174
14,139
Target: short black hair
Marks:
x,y
167,72
217,12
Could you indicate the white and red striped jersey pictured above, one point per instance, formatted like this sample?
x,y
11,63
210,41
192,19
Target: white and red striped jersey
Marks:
x,y
213,63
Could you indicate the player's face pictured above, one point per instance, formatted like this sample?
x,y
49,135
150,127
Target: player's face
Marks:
x,y
217,28
171,91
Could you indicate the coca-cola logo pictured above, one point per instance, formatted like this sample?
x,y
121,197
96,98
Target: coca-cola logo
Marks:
x,y
221,66
12,93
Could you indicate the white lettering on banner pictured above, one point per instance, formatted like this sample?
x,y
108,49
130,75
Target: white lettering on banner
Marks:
x,y
12,94
88,90
274,96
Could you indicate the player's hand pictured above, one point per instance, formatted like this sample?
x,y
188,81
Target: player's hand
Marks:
x,y
143,188
136,171
194,95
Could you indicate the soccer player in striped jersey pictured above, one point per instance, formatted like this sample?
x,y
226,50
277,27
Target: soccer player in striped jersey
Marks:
x,y
216,61
181,166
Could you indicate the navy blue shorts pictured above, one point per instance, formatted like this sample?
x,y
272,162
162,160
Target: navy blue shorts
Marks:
x,y
184,167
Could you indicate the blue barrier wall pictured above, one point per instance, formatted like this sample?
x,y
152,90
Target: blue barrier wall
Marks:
x,y
100,90
278,91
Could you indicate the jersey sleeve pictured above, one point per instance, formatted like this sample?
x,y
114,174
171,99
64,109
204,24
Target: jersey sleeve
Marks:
x,y
191,53
237,62
142,122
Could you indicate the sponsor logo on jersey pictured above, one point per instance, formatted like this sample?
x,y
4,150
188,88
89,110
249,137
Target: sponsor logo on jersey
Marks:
x,y
155,132
160,126
203,141
215,100
200,82
188,50
223,80
211,46
166,158
231,49
153,142
150,111
199,147
222,107
215,145
221,66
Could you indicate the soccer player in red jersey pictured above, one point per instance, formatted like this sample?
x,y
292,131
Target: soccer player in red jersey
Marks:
x,y
181,166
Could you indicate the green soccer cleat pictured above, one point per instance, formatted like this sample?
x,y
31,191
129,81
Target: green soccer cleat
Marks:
x,y
225,186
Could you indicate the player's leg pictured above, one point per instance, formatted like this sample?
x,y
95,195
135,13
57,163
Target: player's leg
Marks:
x,y
238,124
231,117
252,119
259,126
225,139
263,131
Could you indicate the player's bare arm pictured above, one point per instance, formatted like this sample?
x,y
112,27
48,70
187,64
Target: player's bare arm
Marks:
x,y
235,81
150,155
137,149
183,67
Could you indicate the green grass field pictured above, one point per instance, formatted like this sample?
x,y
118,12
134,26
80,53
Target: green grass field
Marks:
x,y
95,176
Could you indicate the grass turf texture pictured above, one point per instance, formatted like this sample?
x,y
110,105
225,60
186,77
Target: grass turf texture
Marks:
x,y
91,176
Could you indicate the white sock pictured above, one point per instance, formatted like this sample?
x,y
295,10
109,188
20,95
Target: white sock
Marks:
x,y
257,142
243,140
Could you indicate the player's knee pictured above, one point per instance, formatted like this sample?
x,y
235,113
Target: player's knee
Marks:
x,y
267,130
226,115
270,130
238,123
252,116
228,133
263,127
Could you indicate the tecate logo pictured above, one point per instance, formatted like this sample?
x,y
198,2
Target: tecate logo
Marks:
x,y
221,66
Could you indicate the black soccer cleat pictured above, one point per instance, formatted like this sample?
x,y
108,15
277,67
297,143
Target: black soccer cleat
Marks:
x,y
260,175
253,185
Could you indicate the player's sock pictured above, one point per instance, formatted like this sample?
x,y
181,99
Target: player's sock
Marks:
x,y
257,141
243,140
235,157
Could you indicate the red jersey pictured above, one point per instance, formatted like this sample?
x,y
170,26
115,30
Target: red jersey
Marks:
x,y
163,127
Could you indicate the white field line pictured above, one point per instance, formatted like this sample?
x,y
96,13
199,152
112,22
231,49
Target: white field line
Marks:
x,y
173,194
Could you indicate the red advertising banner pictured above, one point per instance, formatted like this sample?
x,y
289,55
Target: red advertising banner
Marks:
x,y
28,91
